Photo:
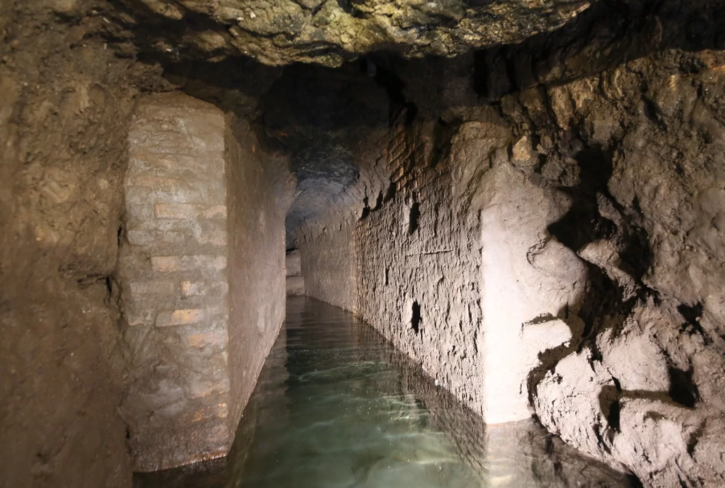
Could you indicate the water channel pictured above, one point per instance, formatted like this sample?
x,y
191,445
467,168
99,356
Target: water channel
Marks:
x,y
336,406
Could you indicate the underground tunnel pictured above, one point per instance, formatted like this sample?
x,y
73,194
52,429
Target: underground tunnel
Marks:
x,y
322,243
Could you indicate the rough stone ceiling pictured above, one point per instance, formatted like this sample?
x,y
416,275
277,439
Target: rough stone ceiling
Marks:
x,y
330,32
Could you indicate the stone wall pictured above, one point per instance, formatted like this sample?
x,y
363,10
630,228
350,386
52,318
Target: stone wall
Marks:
x,y
330,269
260,192
203,286
173,275
437,265
560,259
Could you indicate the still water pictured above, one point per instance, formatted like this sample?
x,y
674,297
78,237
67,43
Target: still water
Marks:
x,y
337,406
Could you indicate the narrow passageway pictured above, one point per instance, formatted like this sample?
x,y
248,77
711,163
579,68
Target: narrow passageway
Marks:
x,y
336,405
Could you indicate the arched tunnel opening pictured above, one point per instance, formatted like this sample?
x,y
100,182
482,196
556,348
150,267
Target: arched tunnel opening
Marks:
x,y
323,243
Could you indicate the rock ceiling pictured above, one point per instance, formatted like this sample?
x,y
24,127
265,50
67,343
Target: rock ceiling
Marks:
x,y
330,32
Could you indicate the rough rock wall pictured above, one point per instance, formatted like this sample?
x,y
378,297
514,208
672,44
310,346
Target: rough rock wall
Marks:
x,y
260,192
65,102
531,288
644,385
174,281
599,222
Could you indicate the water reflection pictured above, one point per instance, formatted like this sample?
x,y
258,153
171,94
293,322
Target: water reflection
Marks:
x,y
337,406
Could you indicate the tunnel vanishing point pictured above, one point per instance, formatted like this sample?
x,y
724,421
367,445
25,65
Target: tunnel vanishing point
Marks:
x,y
525,197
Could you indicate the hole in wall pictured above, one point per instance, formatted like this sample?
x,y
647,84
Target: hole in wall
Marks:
x,y
415,319
683,389
413,217
389,193
379,201
692,319
614,414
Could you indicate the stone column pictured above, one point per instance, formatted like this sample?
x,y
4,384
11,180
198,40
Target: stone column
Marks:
x,y
173,274
532,286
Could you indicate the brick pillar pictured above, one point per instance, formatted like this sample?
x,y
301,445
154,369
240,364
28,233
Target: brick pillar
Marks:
x,y
173,274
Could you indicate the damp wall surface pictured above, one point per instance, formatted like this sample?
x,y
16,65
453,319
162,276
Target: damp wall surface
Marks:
x,y
330,270
173,270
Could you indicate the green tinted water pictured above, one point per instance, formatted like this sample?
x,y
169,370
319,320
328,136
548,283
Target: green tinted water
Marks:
x,y
337,406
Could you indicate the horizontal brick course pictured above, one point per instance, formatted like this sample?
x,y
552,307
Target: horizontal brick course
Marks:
x,y
170,264
182,317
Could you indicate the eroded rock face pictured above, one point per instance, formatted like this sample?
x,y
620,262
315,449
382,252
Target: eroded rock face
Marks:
x,y
632,392
330,32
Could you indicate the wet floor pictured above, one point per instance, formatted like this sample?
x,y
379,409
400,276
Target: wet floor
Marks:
x,y
337,406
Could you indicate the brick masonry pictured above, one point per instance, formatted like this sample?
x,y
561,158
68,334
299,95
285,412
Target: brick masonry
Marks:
x,y
436,269
183,185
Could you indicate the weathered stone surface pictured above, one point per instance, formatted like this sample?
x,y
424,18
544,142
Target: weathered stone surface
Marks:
x,y
178,361
63,131
293,268
531,290
330,32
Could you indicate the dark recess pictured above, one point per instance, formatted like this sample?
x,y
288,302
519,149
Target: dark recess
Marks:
x,y
415,320
683,389
414,217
